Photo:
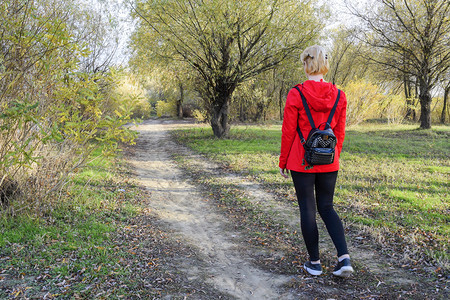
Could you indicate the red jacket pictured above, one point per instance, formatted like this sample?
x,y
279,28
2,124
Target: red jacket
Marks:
x,y
320,97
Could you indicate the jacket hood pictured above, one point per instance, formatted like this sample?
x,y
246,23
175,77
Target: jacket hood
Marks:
x,y
319,95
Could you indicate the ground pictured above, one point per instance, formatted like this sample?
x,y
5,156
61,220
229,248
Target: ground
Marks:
x,y
225,254
170,223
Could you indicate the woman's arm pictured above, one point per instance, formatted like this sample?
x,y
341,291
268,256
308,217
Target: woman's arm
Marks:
x,y
289,128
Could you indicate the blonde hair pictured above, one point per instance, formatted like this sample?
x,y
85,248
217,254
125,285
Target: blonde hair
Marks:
x,y
315,60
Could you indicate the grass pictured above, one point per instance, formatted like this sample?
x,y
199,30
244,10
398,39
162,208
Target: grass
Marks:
x,y
393,180
68,251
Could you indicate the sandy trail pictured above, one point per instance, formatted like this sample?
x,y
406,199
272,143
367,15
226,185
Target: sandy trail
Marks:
x,y
198,222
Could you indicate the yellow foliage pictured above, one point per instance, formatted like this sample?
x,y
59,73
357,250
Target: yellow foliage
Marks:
x,y
363,101
166,109
134,94
200,115
53,115
129,85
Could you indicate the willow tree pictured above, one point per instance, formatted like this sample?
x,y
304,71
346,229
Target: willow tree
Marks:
x,y
411,37
225,42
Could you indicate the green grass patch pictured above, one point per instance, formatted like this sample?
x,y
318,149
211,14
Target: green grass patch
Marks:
x,y
368,221
438,169
415,199
393,177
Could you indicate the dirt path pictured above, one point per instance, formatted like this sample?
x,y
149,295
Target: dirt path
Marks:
x,y
181,206
199,223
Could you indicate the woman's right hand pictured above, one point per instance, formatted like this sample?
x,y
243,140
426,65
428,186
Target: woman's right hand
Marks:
x,y
284,172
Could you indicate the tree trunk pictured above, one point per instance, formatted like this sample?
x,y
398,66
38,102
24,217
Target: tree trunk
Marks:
x,y
259,112
425,106
416,98
220,106
280,102
444,108
180,103
242,111
408,96
219,119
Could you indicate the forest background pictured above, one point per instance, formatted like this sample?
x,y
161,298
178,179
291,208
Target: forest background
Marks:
x,y
390,57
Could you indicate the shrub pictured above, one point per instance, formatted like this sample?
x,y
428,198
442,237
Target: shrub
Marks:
x,y
363,101
200,115
393,109
131,91
166,108
52,115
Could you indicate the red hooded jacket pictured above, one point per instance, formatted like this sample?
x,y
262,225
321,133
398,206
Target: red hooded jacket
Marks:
x,y
320,97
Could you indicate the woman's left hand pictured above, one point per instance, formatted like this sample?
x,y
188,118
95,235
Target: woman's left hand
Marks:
x,y
284,172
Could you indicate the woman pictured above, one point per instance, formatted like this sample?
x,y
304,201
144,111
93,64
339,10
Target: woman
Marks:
x,y
315,185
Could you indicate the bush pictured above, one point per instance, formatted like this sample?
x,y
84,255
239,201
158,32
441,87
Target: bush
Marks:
x,y
52,114
133,94
142,110
363,101
166,108
200,115
393,109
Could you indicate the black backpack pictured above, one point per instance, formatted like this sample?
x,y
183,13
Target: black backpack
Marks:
x,y
320,144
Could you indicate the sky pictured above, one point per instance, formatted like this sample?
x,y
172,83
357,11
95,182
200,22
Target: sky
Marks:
x,y
122,21
340,12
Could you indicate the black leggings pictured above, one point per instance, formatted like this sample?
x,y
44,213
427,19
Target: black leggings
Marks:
x,y
323,184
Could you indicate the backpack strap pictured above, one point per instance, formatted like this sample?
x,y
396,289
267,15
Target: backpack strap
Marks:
x,y
305,105
302,139
333,110
300,135
308,113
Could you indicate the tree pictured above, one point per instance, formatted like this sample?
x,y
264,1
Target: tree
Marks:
x,y
347,61
263,96
169,78
226,42
410,37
